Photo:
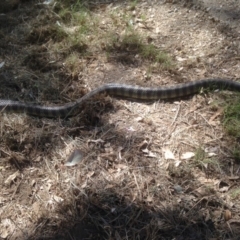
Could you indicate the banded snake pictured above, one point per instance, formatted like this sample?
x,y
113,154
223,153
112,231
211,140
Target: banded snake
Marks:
x,y
120,90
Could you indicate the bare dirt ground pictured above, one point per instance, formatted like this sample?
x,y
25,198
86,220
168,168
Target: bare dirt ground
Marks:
x,y
162,170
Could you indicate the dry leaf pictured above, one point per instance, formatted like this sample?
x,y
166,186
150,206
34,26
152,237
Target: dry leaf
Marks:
x,y
74,158
90,174
38,159
233,177
138,119
227,215
235,221
121,166
84,185
223,189
218,113
119,153
2,64
95,141
36,208
4,233
149,199
205,165
187,155
180,59
131,129
145,150
109,186
144,144
168,154
211,154
177,163
178,188
223,186
151,154
58,199
8,228
11,178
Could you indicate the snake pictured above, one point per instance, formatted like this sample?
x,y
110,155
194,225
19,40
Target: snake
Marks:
x,y
120,90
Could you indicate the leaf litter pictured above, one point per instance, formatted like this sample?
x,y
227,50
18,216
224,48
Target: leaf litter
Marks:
x,y
136,173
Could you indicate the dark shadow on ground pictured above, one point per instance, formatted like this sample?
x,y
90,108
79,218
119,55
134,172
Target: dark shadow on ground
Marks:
x,y
28,63
95,213
107,215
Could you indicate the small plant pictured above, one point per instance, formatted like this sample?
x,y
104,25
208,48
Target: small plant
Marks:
x,y
153,53
77,6
65,14
72,62
236,153
232,118
71,12
133,5
201,159
81,18
131,42
235,193
149,51
200,154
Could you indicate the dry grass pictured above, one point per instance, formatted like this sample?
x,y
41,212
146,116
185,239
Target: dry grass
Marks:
x,y
162,170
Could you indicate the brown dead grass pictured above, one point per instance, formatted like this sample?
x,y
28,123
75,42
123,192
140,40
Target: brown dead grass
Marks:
x,y
136,179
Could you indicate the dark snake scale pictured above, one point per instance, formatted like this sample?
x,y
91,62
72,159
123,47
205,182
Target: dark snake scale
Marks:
x,y
120,90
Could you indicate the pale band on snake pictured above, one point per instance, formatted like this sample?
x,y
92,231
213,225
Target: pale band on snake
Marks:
x,y
120,90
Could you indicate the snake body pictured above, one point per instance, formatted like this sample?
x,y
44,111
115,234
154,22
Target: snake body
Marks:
x,y
120,90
